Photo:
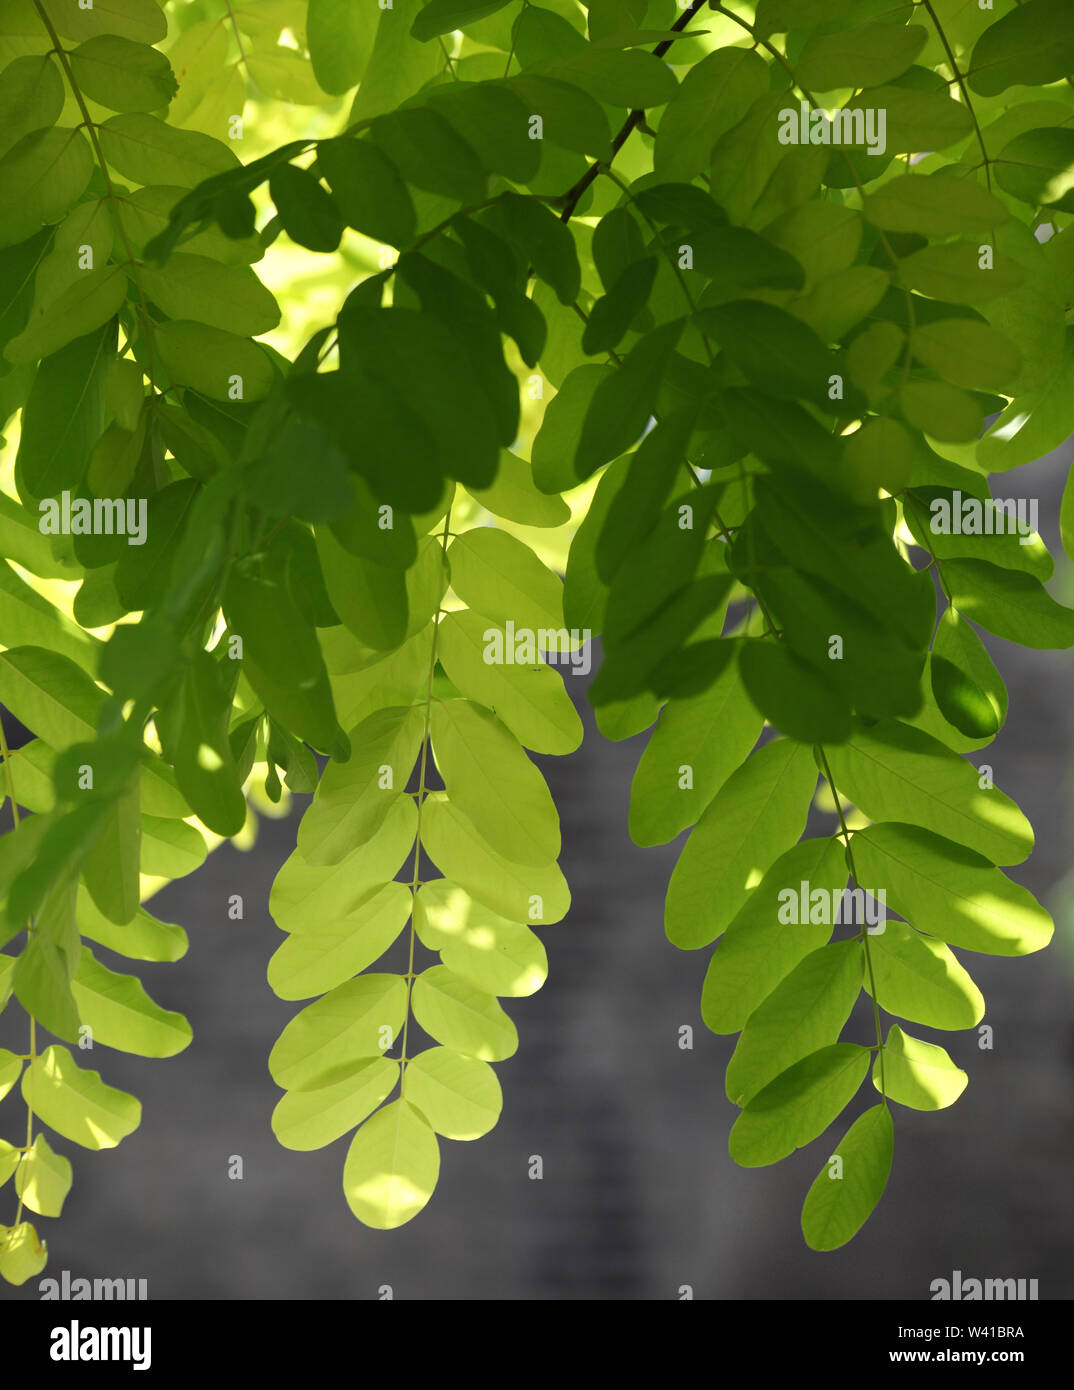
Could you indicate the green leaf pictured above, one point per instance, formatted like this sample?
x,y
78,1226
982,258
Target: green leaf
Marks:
x,y
306,1120
757,814
545,240
145,149
348,1024
939,204
398,67
296,692
516,892
1036,167
806,1011
623,402
612,315
304,894
63,416
308,212
494,121
31,97
463,1018
894,772
460,1097
557,440
170,848
514,496
138,20
1012,604
714,95
368,189
222,296
43,1178
354,798
49,694
76,1103
78,310
967,687
954,272
761,947
798,1105
122,1015
392,1167
779,16
1032,425
10,1071
864,56
572,119
494,955
967,353
122,75
843,1195
918,1074
491,780
951,892
624,77
41,176
328,953
196,725
918,978
442,16
1032,46
790,695
111,866
42,974
430,153
215,363
501,578
340,37
945,413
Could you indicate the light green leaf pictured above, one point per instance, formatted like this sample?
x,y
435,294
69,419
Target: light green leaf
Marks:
x,y
392,1167
695,747
122,1015
142,938
459,1096
844,1193
331,952
557,440
761,947
1010,603
141,21
494,955
76,1103
201,289
1034,423
353,798
359,1019
759,812
87,304
170,847
371,598
461,1017
894,772
798,1105
714,95
529,698
491,780
442,16
122,75
10,1071
22,1255
43,1178
516,892
111,867
145,149
340,36
950,892
398,67
499,576
311,1119
806,1011
918,978
305,894
918,1074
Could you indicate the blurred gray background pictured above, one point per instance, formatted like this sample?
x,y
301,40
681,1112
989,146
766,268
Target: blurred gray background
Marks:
x,y
639,1196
